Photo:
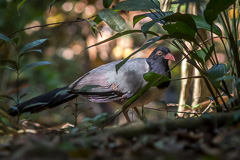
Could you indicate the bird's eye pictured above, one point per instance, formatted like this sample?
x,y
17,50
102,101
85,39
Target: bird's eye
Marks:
x,y
159,53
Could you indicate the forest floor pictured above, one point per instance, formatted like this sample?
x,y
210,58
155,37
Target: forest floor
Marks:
x,y
210,137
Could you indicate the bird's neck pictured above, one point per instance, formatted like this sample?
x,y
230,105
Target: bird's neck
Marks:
x,y
160,68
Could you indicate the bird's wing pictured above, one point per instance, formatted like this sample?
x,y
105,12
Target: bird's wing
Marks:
x,y
109,85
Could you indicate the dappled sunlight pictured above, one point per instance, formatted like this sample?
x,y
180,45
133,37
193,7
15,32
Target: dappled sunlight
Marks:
x,y
120,52
67,6
79,7
231,13
56,18
180,95
68,53
92,51
77,48
89,11
117,52
104,49
31,24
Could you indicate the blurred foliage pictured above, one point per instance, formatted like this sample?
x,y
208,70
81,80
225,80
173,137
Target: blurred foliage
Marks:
x,y
65,42
64,45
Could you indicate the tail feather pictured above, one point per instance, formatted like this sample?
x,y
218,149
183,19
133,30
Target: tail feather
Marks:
x,y
48,100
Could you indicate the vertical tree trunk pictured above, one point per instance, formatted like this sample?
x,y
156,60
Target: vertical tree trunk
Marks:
x,y
185,85
196,88
186,71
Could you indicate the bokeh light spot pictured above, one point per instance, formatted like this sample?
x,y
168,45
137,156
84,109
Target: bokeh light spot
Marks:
x,y
67,6
33,23
68,53
79,7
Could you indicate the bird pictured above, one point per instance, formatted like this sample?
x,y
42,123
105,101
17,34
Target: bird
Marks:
x,y
105,84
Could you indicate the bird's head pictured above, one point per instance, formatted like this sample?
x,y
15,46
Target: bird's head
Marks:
x,y
161,54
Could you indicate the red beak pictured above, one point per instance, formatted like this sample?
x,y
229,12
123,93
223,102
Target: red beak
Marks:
x,y
169,56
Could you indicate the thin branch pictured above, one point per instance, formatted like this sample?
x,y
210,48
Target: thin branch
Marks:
x,y
44,25
205,110
186,78
161,109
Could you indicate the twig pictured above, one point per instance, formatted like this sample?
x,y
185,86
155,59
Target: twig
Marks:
x,y
44,25
160,109
205,110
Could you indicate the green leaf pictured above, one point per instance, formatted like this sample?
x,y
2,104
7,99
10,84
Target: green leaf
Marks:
x,y
96,20
183,2
30,51
156,2
7,67
9,61
179,35
107,3
237,83
187,106
7,97
136,5
179,27
153,16
225,78
201,23
209,53
196,106
20,6
93,26
146,26
23,95
113,19
139,93
217,71
137,18
36,64
2,101
201,56
15,40
152,77
185,18
119,35
5,38
51,4
100,117
149,42
214,7
31,45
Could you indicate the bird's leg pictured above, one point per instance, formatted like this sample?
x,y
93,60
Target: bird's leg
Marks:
x,y
137,111
125,113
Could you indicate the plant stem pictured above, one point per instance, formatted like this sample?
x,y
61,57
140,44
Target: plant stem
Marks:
x,y
76,113
211,91
221,98
214,50
234,23
17,81
234,49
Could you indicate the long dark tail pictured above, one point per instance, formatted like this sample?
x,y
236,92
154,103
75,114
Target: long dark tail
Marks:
x,y
48,100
